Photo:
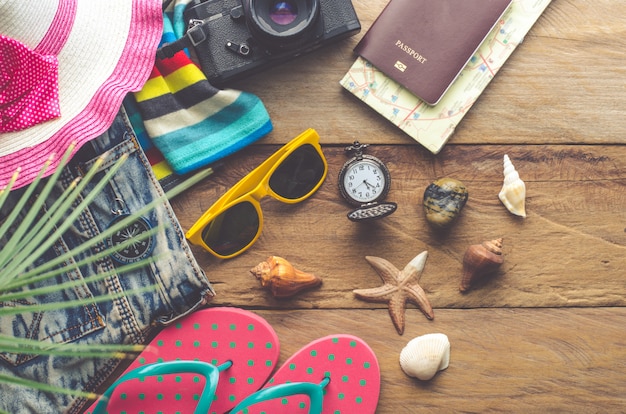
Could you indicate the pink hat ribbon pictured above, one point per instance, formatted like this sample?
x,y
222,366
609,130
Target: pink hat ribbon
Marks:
x,y
29,91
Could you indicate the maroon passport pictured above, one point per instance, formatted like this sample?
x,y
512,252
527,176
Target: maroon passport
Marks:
x,y
424,44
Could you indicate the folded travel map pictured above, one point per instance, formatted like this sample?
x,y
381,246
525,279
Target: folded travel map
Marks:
x,y
432,125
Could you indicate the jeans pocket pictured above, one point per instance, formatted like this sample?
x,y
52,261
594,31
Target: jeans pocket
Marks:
x,y
52,326
70,324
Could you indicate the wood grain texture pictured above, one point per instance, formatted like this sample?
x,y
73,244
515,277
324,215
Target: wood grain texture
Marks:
x,y
544,334
569,251
517,360
563,84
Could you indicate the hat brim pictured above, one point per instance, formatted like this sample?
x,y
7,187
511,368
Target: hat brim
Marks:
x,y
109,52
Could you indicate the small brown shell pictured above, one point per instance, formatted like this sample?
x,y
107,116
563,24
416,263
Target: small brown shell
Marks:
x,y
282,279
479,261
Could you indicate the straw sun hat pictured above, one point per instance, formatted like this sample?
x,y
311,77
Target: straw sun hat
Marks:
x,y
65,66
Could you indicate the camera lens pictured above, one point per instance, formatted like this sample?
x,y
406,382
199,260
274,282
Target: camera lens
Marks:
x,y
282,25
283,12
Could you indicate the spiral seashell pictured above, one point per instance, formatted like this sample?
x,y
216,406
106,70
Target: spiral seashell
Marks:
x,y
282,279
513,192
425,355
479,261
443,201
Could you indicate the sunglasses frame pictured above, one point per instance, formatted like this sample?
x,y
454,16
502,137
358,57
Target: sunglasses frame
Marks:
x,y
253,187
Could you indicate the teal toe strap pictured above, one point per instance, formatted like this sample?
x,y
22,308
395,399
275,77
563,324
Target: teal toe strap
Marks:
x,y
209,371
315,392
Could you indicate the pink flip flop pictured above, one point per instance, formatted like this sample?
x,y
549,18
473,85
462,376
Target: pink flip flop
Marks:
x,y
332,375
206,362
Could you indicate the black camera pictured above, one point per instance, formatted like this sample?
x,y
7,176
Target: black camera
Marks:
x,y
235,38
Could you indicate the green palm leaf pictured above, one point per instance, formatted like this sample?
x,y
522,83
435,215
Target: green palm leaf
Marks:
x,y
34,234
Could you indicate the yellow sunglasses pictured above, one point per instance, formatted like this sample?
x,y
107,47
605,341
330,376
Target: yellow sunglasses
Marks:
x,y
234,222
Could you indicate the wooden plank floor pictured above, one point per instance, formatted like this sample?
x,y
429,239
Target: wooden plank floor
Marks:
x,y
547,332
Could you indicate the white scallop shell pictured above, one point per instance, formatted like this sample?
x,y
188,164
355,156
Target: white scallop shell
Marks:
x,y
425,355
513,192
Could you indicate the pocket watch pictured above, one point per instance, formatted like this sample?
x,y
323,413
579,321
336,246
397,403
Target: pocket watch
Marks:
x,y
364,182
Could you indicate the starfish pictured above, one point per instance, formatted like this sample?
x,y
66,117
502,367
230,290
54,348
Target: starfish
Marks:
x,y
398,288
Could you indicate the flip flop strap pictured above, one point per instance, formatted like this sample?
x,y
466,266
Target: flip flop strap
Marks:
x,y
315,392
209,371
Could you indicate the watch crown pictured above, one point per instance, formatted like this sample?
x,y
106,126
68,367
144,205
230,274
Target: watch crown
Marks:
x,y
357,147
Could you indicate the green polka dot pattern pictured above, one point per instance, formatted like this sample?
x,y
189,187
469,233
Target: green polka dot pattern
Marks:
x,y
350,364
216,336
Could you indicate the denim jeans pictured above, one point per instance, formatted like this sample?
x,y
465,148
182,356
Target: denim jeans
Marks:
x,y
181,284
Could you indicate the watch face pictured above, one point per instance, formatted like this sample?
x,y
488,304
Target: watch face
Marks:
x,y
364,181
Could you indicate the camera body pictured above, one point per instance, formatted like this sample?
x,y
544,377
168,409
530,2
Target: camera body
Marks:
x,y
242,37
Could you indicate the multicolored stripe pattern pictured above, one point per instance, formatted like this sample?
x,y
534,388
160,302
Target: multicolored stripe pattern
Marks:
x,y
162,170
189,121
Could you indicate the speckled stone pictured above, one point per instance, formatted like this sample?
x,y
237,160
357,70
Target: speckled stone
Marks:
x,y
443,201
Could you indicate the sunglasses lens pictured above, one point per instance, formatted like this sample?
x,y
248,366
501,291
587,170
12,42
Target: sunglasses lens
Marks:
x,y
299,173
232,230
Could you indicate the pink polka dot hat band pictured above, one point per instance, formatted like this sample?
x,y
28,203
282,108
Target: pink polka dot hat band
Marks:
x,y
31,93
66,66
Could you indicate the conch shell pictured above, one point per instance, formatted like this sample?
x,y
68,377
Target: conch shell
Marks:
x,y
513,192
480,260
282,279
425,355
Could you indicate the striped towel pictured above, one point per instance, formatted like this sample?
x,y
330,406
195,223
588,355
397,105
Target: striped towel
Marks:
x,y
189,121
162,170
